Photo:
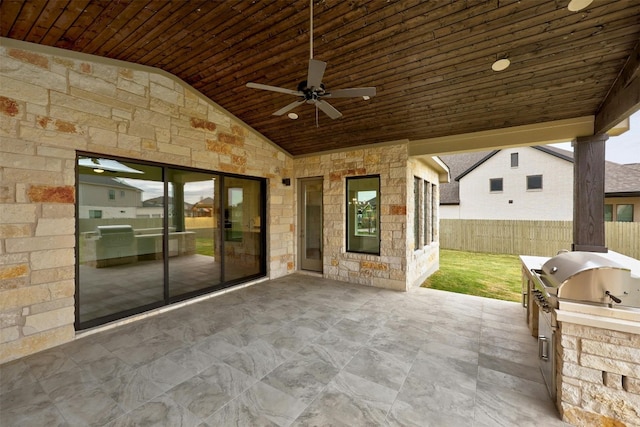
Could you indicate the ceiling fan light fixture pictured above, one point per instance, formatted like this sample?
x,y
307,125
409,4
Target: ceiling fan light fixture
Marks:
x,y
292,116
578,5
501,64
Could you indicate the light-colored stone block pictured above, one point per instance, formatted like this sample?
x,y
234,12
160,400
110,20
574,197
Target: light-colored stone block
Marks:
x,y
44,321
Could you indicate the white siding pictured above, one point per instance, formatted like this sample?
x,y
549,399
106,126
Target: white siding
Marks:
x,y
553,202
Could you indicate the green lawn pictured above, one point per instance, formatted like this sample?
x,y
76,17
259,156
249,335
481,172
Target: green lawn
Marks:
x,y
204,246
484,275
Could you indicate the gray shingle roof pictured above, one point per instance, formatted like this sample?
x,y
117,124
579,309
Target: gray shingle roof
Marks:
x,y
619,179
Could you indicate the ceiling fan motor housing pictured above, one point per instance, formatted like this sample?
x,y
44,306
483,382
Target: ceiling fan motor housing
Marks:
x,y
311,93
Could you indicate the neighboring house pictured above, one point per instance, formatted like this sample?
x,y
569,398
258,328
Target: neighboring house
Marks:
x,y
530,183
154,208
107,197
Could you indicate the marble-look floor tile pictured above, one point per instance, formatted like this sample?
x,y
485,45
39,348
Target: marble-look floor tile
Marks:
x,y
93,408
13,375
127,336
199,397
161,411
131,390
352,331
402,414
447,351
529,371
165,373
331,349
534,389
232,359
212,389
523,356
141,353
379,367
107,367
349,400
30,394
301,377
191,359
33,414
49,363
257,359
68,385
291,337
261,405
500,407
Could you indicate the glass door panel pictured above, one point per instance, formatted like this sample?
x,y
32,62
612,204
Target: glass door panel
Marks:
x,y
120,245
311,224
243,229
194,234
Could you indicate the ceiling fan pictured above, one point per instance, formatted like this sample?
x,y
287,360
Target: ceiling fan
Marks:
x,y
312,90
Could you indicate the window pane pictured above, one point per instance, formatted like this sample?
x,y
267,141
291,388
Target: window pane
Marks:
x,y
624,213
608,212
427,212
416,212
534,182
194,235
243,231
433,229
495,184
514,160
120,251
362,215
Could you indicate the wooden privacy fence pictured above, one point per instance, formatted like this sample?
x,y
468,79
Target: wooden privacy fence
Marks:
x,y
519,237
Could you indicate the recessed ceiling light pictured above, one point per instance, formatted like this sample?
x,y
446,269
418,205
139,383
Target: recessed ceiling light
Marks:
x,y
576,5
292,116
501,64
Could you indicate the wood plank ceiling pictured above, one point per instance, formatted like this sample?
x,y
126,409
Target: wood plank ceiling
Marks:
x,y
429,60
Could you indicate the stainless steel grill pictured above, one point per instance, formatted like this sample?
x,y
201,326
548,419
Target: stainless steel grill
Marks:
x,y
589,278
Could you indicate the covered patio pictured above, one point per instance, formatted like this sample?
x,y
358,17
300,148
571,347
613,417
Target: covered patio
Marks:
x,y
298,350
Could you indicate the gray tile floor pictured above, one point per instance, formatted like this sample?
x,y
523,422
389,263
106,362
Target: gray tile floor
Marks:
x,y
298,351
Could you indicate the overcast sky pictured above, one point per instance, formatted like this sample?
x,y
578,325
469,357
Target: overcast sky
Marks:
x,y
620,149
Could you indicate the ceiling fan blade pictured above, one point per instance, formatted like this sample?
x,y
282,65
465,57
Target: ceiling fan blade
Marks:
x,y
274,89
354,92
315,73
328,109
288,108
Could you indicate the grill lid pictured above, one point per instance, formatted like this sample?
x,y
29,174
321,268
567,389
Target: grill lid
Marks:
x,y
589,277
559,269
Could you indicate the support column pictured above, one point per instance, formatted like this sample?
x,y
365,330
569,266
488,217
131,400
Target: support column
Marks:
x,y
588,193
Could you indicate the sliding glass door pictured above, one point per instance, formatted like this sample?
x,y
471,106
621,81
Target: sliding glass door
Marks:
x,y
150,235
194,232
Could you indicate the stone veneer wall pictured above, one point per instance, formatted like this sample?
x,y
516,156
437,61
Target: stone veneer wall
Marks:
x,y
389,269
426,260
54,102
598,376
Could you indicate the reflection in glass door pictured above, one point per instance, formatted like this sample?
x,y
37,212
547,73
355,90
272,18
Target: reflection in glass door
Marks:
x,y
243,230
194,232
310,209
120,223
149,235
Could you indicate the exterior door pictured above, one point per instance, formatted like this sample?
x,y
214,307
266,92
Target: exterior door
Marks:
x,y
310,239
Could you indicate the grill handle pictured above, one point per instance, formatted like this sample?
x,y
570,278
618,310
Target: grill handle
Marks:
x,y
613,297
543,347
